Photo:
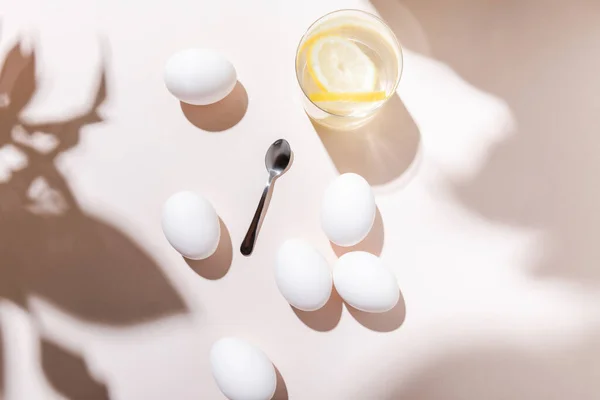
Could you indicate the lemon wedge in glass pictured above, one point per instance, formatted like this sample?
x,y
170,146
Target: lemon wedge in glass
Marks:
x,y
339,65
342,71
356,97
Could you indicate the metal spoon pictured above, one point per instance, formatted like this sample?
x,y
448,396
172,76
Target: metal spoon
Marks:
x,y
277,160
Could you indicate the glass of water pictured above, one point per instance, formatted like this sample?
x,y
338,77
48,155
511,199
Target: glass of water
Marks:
x,y
348,64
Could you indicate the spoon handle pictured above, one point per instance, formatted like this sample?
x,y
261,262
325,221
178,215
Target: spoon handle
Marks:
x,y
250,239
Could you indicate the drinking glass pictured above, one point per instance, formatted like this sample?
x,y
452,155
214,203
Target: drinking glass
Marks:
x,y
348,65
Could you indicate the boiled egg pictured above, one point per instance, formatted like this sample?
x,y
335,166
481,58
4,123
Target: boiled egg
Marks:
x,y
191,225
302,275
241,370
365,283
348,210
199,76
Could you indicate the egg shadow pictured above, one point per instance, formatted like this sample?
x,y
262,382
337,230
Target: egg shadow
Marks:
x,y
373,243
220,116
216,266
381,322
380,151
325,318
281,391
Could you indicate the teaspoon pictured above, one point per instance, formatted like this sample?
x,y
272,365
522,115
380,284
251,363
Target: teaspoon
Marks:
x,y
277,160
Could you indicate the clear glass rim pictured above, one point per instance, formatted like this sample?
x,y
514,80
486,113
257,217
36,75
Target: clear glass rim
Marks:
x,y
395,42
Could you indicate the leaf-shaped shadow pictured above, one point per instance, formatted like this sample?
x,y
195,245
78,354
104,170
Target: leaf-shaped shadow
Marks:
x,y
52,249
84,266
72,259
69,374
17,86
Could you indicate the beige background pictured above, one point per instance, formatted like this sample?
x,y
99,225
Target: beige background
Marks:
x,y
485,171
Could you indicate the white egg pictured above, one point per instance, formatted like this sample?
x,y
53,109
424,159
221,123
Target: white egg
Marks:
x,y
302,275
348,210
365,283
199,76
191,225
242,371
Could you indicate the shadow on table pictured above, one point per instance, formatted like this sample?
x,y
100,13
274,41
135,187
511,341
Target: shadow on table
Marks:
x,y
373,243
499,372
381,322
328,317
3,361
541,58
220,116
325,318
281,391
216,266
69,374
54,250
381,151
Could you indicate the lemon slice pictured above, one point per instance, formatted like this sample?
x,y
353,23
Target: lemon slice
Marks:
x,y
348,96
338,65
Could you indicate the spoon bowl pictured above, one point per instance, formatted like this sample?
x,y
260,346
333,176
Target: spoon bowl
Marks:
x,y
278,157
